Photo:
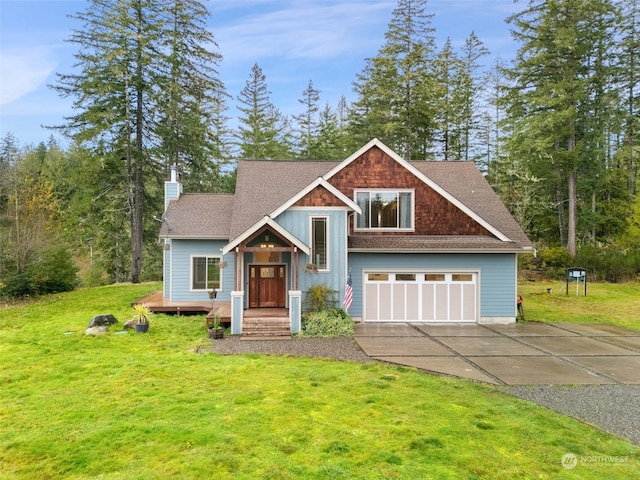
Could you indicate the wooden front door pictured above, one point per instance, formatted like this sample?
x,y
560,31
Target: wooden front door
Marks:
x,y
267,286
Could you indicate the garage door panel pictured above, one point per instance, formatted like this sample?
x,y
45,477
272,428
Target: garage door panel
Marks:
x,y
399,302
384,302
421,297
442,302
428,302
469,302
371,292
413,302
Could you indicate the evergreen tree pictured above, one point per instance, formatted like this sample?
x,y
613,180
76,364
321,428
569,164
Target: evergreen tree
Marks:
x,y
192,99
145,86
307,121
551,82
629,88
395,89
263,132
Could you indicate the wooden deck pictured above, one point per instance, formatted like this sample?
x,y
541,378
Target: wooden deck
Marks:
x,y
159,304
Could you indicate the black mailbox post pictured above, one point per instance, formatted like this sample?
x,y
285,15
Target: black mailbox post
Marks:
x,y
576,274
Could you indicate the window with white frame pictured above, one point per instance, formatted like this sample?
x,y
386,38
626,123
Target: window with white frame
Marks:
x,y
320,242
385,209
205,273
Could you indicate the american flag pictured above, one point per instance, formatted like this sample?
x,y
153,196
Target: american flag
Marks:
x,y
348,293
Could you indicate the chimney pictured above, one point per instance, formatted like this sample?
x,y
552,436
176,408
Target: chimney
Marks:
x,y
172,188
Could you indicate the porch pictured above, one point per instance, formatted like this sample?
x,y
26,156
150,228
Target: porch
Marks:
x,y
257,323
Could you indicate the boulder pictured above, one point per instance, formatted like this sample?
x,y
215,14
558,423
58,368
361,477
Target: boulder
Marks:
x,y
102,320
99,330
129,324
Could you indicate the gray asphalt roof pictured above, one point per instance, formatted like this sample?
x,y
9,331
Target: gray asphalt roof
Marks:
x,y
265,185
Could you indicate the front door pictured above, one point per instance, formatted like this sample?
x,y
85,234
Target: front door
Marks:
x,y
267,286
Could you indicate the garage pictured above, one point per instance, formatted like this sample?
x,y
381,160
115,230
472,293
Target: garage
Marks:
x,y
406,296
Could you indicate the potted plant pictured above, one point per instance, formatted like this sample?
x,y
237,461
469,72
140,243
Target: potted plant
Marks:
x,y
215,329
141,314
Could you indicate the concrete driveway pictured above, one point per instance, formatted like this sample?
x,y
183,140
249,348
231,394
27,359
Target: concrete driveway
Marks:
x,y
527,353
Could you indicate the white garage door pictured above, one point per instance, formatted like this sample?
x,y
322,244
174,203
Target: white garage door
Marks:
x,y
420,297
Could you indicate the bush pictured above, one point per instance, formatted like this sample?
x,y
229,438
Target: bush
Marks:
x,y
557,257
55,272
320,297
334,322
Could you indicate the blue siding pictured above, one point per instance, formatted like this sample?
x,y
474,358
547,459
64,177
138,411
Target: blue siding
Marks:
x,y
171,191
298,222
181,253
497,275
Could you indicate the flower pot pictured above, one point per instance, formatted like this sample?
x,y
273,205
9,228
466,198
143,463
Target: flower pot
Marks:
x,y
216,333
141,327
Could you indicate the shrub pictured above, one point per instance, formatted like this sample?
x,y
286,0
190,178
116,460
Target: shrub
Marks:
x,y
55,272
556,257
320,297
334,322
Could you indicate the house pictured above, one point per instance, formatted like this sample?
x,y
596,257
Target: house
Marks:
x,y
420,241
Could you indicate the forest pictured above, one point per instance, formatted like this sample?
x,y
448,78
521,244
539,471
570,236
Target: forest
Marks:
x,y
556,133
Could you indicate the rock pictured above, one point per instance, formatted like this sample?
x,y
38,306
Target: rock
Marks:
x,y
100,330
129,324
102,320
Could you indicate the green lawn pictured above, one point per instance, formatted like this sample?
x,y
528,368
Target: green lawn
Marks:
x,y
612,303
157,405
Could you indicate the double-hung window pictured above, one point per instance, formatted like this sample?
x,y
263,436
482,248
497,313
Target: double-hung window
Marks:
x,y
205,273
385,209
320,242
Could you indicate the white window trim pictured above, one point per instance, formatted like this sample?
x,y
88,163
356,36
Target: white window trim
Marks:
x,y
207,256
386,190
327,233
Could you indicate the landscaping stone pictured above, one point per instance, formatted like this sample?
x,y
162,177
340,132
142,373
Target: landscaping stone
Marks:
x,y
102,320
99,330
129,325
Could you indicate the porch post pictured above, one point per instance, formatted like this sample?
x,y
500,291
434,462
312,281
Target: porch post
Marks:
x,y
237,301
295,310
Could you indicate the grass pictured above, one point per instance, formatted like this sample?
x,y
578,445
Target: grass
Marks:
x,y
157,405
612,303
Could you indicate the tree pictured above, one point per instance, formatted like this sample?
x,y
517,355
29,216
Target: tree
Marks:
x,y
395,89
192,99
550,87
263,132
143,85
629,87
308,125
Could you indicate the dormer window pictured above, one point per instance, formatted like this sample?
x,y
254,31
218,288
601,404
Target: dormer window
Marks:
x,y
385,209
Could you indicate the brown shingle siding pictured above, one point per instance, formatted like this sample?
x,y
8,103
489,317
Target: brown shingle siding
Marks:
x,y
434,215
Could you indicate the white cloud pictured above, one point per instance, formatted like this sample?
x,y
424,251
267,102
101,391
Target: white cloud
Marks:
x,y
304,30
22,71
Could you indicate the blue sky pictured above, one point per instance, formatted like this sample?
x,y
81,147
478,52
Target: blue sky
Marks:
x,y
293,41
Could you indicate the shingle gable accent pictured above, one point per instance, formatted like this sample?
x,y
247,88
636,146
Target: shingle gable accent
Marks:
x,y
319,197
381,153
434,214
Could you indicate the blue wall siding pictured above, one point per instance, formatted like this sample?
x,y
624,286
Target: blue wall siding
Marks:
x,y
297,221
181,252
497,276
171,191
166,269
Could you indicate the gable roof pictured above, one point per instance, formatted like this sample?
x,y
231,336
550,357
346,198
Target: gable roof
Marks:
x,y
266,188
198,215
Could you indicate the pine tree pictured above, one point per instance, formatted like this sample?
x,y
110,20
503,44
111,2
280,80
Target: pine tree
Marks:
x,y
307,121
144,86
551,85
395,90
263,132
